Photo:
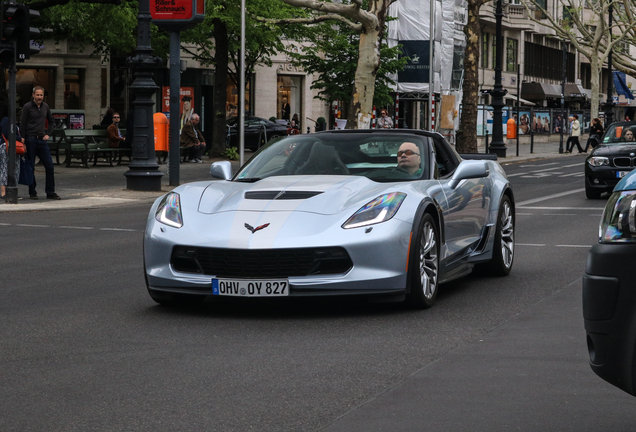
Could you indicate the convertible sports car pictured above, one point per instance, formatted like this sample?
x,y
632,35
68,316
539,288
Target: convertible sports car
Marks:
x,y
388,214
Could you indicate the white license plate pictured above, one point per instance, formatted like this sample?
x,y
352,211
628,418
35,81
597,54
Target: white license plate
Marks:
x,y
621,174
250,287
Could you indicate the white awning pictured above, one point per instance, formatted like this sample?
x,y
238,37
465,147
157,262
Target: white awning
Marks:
x,y
521,100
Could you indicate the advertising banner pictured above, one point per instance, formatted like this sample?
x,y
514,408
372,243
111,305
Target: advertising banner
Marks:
x,y
186,104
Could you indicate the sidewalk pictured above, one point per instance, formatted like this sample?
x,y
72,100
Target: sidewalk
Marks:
x,y
104,185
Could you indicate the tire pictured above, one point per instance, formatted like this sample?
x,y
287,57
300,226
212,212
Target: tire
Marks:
x,y
504,245
424,266
591,193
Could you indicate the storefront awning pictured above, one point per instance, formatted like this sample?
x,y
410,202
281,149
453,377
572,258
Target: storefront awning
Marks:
x,y
522,101
575,92
539,91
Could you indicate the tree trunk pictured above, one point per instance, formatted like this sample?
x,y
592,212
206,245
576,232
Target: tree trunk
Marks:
x,y
594,81
364,86
466,141
219,133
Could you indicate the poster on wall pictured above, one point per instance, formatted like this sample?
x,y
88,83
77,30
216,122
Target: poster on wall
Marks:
x,y
541,122
76,121
186,104
61,121
524,123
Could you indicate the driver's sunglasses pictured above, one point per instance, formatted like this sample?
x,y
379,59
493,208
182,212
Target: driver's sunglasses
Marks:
x,y
407,152
115,116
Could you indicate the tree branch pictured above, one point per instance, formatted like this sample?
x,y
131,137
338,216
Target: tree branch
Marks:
x,y
322,18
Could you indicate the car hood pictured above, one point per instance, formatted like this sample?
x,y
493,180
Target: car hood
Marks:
x,y
614,150
315,194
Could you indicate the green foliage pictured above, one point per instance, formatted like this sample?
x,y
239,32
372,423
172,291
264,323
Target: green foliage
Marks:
x,y
272,119
231,153
335,59
321,120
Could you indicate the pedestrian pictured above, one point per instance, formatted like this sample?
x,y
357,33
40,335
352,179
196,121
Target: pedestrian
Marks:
x,y
295,122
4,149
384,122
596,132
285,110
192,138
115,138
575,132
33,120
108,118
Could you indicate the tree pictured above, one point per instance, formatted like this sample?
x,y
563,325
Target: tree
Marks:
x,y
370,25
332,57
467,134
588,30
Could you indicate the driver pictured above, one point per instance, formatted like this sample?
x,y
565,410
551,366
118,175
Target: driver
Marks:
x,y
409,158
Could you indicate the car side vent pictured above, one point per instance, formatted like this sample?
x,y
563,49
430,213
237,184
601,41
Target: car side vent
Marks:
x,y
280,195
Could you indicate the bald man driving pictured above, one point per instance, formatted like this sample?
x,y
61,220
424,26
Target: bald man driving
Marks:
x,y
409,158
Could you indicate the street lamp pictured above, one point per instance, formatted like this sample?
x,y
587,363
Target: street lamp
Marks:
x,y
143,172
609,105
497,145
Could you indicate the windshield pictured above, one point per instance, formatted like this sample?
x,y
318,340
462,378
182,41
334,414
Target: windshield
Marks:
x,y
379,157
620,134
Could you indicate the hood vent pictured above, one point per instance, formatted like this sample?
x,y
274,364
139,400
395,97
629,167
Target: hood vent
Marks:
x,y
280,195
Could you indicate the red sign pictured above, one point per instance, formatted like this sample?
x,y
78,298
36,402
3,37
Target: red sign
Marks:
x,y
176,15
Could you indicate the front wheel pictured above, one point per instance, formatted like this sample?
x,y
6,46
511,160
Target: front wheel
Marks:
x,y
504,247
424,266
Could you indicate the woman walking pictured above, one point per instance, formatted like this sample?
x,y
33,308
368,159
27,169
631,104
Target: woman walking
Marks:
x,y
596,132
575,133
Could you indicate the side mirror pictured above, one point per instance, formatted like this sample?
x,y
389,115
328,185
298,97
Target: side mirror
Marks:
x,y
221,170
469,170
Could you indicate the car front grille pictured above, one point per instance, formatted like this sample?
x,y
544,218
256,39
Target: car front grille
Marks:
x,y
260,263
623,162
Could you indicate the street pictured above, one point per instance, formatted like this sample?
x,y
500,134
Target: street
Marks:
x,y
85,348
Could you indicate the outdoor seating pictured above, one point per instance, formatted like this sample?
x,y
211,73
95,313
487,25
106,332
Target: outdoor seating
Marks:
x,y
85,145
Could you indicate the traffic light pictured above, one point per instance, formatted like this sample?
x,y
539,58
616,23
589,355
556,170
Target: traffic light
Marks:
x,y
16,27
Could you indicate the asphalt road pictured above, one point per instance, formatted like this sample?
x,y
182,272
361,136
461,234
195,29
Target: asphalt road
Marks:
x,y
83,347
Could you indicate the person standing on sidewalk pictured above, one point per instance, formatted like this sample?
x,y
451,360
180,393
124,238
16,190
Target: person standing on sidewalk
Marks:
x,y
34,128
192,138
575,133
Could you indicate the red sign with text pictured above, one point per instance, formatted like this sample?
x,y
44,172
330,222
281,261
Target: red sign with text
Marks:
x,y
177,15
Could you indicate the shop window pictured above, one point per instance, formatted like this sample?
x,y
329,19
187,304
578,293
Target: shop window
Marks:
x,y
73,88
26,79
290,92
232,103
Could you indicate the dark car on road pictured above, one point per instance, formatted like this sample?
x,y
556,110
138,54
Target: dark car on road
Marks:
x,y
612,160
258,131
609,291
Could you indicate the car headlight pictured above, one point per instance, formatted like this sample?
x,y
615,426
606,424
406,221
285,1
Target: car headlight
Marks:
x,y
598,161
169,211
381,209
618,223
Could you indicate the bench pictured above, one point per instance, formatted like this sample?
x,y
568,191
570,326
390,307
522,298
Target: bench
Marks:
x,y
84,144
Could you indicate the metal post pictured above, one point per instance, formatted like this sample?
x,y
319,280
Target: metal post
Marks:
x,y
143,173
11,190
564,76
175,93
498,146
518,113
609,105
242,92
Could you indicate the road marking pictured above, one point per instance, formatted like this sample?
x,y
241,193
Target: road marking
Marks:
x,y
560,208
574,246
529,244
524,214
559,214
543,170
534,166
549,197
117,229
33,226
76,227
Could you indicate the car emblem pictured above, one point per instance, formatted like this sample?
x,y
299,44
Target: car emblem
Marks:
x,y
251,228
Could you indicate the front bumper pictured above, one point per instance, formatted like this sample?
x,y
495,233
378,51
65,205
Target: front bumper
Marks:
x,y
609,312
604,178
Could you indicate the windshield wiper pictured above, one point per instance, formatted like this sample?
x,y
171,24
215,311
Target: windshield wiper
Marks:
x,y
248,179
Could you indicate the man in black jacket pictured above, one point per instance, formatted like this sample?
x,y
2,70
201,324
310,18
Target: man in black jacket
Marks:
x,y
34,128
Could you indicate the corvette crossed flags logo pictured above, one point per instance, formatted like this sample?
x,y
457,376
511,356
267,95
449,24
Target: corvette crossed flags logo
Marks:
x,y
258,228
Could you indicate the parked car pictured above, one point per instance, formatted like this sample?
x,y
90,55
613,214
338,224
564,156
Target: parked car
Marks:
x,y
387,214
609,291
612,160
258,131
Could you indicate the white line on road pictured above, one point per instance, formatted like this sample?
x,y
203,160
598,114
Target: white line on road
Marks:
x,y
574,246
534,166
524,214
528,244
543,170
559,214
33,226
117,229
76,227
549,197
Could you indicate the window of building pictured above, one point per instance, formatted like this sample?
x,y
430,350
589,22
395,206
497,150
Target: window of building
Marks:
x,y
231,105
484,50
289,93
538,13
26,79
458,66
512,49
73,88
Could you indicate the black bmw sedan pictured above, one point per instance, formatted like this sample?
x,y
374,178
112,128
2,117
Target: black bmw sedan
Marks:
x,y
612,160
258,131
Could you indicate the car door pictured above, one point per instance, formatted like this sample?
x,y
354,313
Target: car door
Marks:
x,y
467,204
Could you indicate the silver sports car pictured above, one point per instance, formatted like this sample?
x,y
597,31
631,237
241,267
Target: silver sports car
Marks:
x,y
388,214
